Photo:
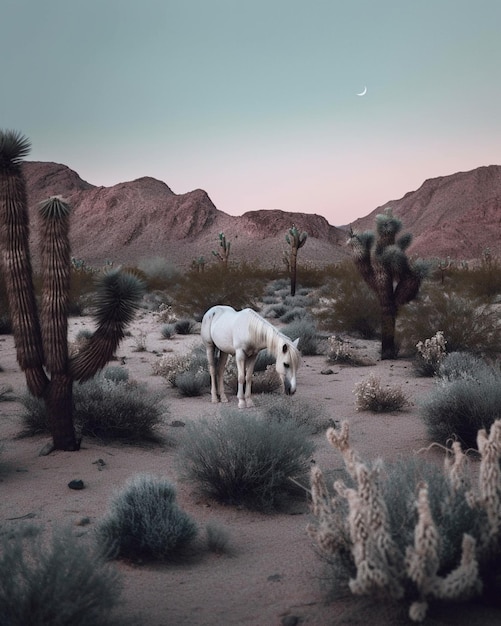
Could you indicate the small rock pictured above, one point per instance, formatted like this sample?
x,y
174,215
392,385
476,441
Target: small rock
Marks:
x,y
327,372
82,521
100,464
47,449
274,578
290,620
76,484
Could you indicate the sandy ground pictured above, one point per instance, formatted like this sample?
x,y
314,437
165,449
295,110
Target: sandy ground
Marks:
x,y
273,575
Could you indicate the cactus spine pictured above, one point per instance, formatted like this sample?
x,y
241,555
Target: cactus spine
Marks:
x,y
296,240
384,266
41,336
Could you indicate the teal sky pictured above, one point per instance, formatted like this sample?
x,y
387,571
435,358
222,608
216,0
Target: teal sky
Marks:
x,y
255,101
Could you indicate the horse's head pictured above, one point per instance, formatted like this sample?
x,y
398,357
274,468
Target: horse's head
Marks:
x,y
287,364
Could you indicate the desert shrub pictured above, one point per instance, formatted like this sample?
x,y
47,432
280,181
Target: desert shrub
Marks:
x,y
174,367
192,383
263,361
82,289
241,458
430,354
159,273
349,305
464,365
275,311
168,331
104,408
5,392
468,325
115,373
466,397
239,286
371,395
304,413
296,313
342,352
270,299
306,331
482,281
184,326
218,538
411,530
140,342
297,301
145,522
278,287
61,582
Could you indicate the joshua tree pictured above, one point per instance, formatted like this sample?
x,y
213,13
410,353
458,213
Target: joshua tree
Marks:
x,y
41,335
384,266
224,253
296,240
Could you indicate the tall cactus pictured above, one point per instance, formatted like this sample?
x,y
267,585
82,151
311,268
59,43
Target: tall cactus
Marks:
x,y
296,240
223,254
384,266
41,336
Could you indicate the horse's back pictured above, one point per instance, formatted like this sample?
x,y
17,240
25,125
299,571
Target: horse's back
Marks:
x,y
211,316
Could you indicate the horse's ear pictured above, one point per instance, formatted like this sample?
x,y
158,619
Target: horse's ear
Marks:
x,y
295,343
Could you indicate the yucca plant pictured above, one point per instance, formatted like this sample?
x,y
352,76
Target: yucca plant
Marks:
x,y
41,335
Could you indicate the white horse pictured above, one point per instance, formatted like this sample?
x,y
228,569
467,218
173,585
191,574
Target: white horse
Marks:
x,y
244,333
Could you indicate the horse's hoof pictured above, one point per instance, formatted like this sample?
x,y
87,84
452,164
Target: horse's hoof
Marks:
x,y
249,404
241,405
224,399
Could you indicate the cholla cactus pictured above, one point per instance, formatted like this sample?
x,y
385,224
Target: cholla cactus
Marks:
x,y
223,254
385,569
41,335
384,266
296,240
432,351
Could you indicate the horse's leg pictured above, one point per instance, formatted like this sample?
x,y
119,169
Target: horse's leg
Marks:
x,y
249,371
212,371
223,358
240,359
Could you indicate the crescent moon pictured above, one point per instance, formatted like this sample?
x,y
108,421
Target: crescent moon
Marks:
x,y
363,92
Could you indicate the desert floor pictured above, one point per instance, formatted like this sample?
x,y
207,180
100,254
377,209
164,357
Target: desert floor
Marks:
x,y
273,575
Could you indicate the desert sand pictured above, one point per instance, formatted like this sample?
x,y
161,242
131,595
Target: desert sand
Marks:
x,y
273,575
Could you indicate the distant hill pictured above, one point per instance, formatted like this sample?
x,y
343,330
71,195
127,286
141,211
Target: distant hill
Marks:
x,y
457,216
144,218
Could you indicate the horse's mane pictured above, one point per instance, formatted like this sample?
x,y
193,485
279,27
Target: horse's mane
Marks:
x,y
264,331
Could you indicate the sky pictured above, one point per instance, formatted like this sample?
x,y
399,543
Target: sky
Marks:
x,y
255,101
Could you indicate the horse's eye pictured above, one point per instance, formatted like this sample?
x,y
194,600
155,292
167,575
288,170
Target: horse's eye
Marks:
x,y
286,365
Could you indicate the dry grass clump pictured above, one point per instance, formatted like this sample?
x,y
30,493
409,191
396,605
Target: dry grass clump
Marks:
x,y
371,395
437,539
341,352
189,373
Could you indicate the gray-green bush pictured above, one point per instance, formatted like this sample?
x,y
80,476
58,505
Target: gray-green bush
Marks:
x,y
62,582
304,413
466,397
122,410
306,331
242,458
145,522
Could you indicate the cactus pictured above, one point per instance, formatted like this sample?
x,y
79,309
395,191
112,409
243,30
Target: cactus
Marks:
x,y
384,266
296,240
41,335
224,253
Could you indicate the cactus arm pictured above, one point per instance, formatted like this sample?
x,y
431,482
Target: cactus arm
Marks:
x,y
118,297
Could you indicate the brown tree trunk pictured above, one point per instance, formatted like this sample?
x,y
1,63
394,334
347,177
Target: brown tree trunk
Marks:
x,y
388,322
59,405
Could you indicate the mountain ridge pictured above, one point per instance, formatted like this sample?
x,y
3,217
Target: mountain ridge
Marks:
x,y
457,215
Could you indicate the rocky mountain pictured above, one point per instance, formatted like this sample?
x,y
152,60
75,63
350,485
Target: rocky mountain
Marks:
x,y
144,218
457,216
